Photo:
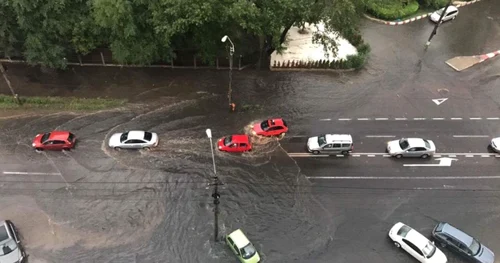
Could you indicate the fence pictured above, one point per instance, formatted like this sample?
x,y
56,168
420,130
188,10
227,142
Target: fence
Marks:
x,y
104,57
322,65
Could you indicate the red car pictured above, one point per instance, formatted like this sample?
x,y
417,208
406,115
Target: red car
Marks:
x,y
56,140
271,127
235,143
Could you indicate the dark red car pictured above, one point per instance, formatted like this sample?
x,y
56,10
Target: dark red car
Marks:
x,y
56,140
235,143
271,127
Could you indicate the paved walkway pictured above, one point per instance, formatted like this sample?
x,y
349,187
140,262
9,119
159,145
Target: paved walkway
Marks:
x,y
463,62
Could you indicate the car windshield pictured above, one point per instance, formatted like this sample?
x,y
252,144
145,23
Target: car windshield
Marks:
x,y
440,11
248,251
403,231
427,144
403,143
71,137
123,137
228,140
148,136
8,247
475,247
321,140
264,125
429,250
45,137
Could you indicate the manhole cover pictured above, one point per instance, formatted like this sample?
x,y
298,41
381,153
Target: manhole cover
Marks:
x,y
443,91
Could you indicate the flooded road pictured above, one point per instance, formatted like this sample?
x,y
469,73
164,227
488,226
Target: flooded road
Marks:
x,y
95,204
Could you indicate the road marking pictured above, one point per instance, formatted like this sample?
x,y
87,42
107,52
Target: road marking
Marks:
x,y
471,136
456,118
380,136
363,119
437,155
485,155
325,119
439,101
475,118
445,161
355,155
415,119
344,119
419,119
371,155
438,119
403,177
339,155
470,155
28,173
495,118
400,119
381,119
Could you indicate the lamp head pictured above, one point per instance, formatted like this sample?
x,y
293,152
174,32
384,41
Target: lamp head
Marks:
x,y
209,133
224,38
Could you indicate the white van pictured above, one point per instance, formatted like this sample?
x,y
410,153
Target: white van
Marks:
x,y
450,14
331,144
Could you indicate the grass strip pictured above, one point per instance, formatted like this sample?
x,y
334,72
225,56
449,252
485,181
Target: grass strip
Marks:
x,y
64,103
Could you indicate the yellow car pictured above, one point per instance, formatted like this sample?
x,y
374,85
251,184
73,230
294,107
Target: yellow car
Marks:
x,y
242,247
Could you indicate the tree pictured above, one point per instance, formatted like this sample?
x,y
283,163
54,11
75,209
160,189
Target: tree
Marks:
x,y
10,34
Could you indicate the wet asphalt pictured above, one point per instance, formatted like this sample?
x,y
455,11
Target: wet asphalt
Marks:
x,y
94,204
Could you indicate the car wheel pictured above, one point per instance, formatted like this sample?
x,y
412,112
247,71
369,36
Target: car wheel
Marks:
x,y
66,149
399,156
315,152
344,152
117,148
146,148
397,244
38,149
425,156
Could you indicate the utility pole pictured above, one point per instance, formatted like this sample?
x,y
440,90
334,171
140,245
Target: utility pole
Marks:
x,y
434,31
231,52
16,97
216,196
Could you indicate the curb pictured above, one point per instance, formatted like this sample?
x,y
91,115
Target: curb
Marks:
x,y
413,19
487,56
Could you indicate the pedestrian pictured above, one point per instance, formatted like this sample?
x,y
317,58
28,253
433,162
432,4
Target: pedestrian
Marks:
x,y
232,107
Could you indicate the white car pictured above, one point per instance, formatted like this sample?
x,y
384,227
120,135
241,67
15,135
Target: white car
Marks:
x,y
495,144
411,147
450,14
133,140
416,244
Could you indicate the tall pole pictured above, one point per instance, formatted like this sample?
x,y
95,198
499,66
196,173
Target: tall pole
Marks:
x,y
434,31
231,52
16,97
215,194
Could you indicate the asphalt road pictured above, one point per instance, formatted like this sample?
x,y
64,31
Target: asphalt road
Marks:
x,y
93,204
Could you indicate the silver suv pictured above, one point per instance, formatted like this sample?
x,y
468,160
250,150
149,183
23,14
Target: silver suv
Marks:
x,y
331,144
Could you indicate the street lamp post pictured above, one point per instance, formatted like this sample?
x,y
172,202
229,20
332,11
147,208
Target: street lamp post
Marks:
x,y
215,194
231,52
434,31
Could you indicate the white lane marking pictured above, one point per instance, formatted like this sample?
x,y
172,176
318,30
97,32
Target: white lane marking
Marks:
x,y
371,155
355,155
437,155
297,136
339,155
403,177
495,118
386,155
419,119
475,118
381,119
445,161
363,119
344,119
380,136
452,155
28,173
469,156
313,156
438,119
400,119
304,154
325,119
471,136
485,155
456,118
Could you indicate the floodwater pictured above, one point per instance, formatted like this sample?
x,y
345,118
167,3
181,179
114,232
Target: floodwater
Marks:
x,y
101,205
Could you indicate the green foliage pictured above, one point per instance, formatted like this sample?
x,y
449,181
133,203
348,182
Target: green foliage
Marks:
x,y
70,103
391,9
436,4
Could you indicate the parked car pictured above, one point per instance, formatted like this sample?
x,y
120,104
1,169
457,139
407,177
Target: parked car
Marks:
x,y
133,140
55,140
462,244
450,14
411,147
271,127
416,244
12,251
235,143
242,247
495,144
330,143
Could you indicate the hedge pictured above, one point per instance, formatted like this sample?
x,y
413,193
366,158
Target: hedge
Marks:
x,y
391,11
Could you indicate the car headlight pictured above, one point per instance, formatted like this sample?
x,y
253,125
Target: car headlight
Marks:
x,y
33,144
220,147
254,133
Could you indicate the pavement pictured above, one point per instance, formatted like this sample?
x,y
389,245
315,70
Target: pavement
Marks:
x,y
93,204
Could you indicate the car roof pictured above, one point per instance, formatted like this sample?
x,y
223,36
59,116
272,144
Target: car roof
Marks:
x,y
59,135
239,238
416,142
416,238
240,138
457,233
451,8
278,121
338,137
135,135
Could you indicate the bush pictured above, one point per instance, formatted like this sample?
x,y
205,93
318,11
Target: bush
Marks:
x,y
67,103
436,4
391,10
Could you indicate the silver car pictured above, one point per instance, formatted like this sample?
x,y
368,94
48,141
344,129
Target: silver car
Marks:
x,y
12,252
411,147
133,140
495,144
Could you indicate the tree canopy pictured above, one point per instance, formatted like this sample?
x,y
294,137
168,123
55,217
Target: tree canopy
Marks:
x,y
147,31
